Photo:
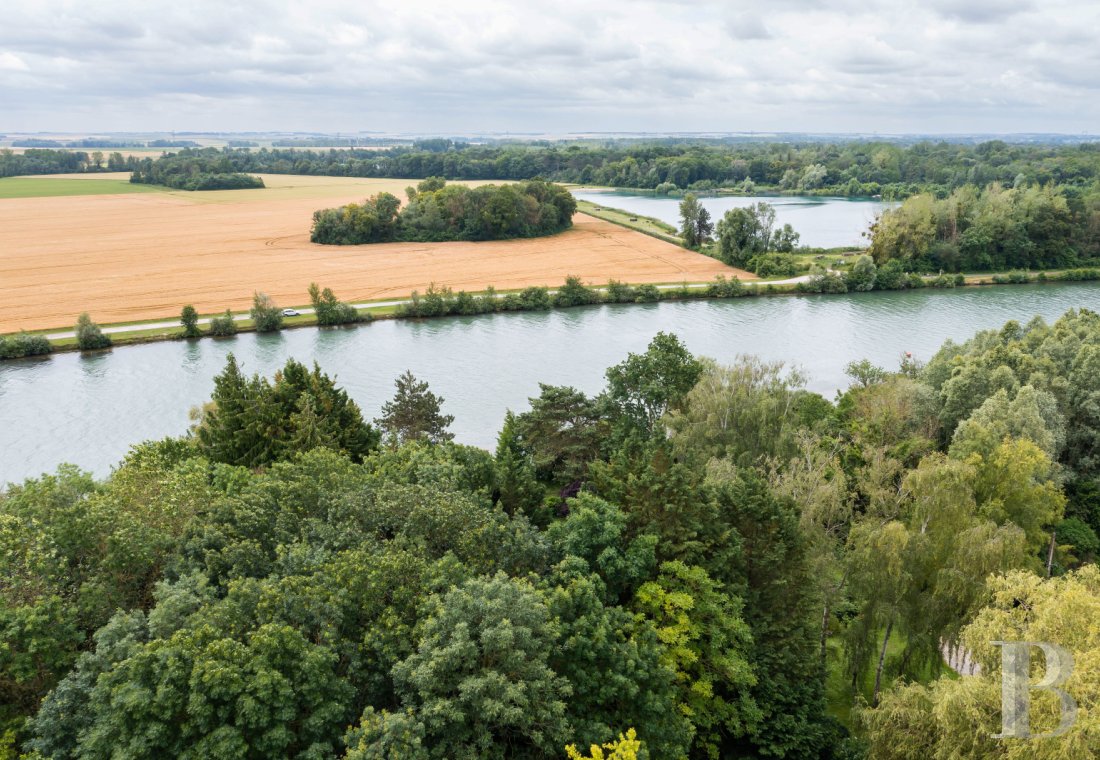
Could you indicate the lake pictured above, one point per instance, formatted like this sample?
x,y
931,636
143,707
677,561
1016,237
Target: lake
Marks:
x,y
822,222
89,409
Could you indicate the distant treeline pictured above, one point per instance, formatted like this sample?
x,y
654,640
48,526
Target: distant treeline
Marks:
x,y
193,170
93,143
437,211
848,169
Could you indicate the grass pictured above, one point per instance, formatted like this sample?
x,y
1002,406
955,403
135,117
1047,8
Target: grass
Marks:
x,y
52,187
646,224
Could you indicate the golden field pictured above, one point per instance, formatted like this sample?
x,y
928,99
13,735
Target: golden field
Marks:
x,y
143,256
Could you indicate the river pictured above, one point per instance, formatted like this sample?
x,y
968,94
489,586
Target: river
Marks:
x,y
89,409
821,222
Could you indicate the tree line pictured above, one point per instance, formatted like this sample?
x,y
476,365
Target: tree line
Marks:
x,y
436,211
854,168
702,560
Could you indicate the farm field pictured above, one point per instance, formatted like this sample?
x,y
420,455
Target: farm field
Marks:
x,y
79,184
143,256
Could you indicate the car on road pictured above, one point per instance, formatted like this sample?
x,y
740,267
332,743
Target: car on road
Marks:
x,y
290,313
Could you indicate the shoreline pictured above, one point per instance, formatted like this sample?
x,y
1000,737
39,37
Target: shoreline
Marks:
x,y
156,331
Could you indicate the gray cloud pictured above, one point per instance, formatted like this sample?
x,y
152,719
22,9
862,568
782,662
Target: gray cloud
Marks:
x,y
496,65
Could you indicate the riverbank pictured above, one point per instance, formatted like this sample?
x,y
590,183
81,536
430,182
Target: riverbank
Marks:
x,y
443,302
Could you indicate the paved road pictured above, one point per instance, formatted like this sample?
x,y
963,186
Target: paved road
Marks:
x,y
166,325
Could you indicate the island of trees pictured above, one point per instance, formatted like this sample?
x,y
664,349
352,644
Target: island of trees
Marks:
x,y
700,561
436,211
198,170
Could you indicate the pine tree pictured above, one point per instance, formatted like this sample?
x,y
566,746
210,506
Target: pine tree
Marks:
x,y
519,490
414,413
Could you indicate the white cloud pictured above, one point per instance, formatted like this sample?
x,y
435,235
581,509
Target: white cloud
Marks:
x,y
496,65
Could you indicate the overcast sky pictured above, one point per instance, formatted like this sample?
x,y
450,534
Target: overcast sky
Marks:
x,y
568,65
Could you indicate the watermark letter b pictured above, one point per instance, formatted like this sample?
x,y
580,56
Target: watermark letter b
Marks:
x,y
1015,687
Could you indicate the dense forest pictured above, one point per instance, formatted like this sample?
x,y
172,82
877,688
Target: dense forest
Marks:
x,y
1021,227
437,211
706,560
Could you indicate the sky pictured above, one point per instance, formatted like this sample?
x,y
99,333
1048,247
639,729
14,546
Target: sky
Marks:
x,y
492,66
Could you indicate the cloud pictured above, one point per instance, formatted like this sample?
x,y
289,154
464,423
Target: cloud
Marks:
x,y
499,65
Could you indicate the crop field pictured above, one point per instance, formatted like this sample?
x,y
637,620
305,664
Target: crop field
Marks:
x,y
143,256
48,187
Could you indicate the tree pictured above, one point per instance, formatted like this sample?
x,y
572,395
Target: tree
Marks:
x,y
644,387
88,335
624,748
562,432
266,316
189,318
861,277
480,680
328,309
414,413
746,232
518,488
695,224
957,717
707,645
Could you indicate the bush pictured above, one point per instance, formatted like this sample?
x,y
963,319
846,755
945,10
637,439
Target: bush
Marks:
x,y
943,281
862,276
575,293
88,335
24,344
1080,275
891,276
535,299
266,316
723,288
774,265
647,294
224,325
618,292
823,282
916,281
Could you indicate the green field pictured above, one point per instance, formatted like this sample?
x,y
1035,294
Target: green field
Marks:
x,y
48,187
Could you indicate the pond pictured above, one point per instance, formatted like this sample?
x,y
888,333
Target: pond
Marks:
x,y
821,222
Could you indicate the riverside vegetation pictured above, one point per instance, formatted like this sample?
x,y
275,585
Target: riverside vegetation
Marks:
x,y
701,561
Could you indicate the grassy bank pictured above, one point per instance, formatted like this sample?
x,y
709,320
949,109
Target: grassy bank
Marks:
x,y
441,302
645,224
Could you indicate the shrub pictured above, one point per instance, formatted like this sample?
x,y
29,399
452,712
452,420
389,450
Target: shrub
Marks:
x,y
862,275
534,298
916,281
488,302
266,316
575,293
891,276
823,282
943,281
647,294
224,325
723,288
618,292
24,344
774,265
88,335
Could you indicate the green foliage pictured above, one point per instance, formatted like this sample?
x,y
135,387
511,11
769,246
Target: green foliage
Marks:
x,y
253,422
24,344
562,433
773,265
224,325
744,233
979,230
695,224
480,679
707,645
202,169
414,414
266,315
436,211
575,293
644,387
862,275
189,318
328,310
88,335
